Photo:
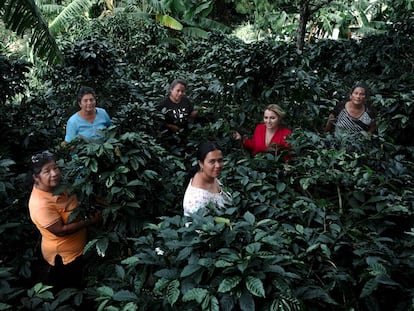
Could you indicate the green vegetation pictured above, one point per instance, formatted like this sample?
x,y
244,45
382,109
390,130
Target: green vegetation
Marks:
x,y
332,230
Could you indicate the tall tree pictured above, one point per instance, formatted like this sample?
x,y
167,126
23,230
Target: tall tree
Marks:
x,y
307,9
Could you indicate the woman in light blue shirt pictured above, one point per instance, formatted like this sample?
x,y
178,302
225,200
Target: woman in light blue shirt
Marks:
x,y
89,120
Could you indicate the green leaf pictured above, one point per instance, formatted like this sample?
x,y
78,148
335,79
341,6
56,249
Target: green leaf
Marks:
x,y
312,247
109,181
122,169
197,294
93,165
102,246
173,291
246,302
189,270
130,261
130,306
184,253
89,245
105,291
124,295
249,217
369,288
213,304
195,32
74,9
253,248
280,186
359,195
228,284
224,263
120,272
168,21
255,286
134,182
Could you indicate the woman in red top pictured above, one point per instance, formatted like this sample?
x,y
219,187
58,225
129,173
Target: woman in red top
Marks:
x,y
268,136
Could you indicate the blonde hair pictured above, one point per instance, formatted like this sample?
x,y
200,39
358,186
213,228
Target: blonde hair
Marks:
x,y
276,109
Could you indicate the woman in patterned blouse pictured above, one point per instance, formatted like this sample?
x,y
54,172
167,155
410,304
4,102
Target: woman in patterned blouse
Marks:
x,y
204,187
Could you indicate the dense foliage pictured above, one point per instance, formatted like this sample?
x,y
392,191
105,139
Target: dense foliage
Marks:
x,y
329,230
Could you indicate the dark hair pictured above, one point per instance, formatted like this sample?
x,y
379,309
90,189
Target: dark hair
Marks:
x,y
83,91
205,148
38,160
202,152
361,85
178,81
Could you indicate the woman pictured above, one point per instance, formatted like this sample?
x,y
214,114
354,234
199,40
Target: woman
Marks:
x,y
268,136
63,240
89,120
179,109
353,115
204,187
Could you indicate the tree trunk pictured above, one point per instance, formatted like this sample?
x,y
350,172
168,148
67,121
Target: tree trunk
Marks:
x,y
303,21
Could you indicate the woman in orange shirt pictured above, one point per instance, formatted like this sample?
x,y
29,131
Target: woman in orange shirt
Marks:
x,y
63,240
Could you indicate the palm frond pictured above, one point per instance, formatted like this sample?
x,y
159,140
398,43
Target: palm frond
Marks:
x,y
51,9
210,24
168,21
195,32
23,15
157,6
75,9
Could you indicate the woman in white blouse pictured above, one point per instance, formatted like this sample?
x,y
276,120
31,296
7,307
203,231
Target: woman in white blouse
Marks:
x,y
204,187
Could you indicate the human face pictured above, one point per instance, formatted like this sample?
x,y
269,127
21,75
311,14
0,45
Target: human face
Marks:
x,y
88,103
271,119
49,177
212,164
358,96
177,93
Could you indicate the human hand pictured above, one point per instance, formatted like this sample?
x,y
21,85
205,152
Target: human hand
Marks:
x,y
174,128
236,135
96,217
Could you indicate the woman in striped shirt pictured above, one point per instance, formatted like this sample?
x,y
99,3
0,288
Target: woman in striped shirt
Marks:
x,y
353,116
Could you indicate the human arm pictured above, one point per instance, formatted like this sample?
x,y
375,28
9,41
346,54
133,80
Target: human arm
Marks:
x,y
172,127
71,130
372,127
247,143
193,114
256,143
61,229
237,135
108,121
330,123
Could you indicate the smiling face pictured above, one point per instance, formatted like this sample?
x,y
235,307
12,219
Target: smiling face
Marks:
x,y
49,177
88,103
177,93
271,119
358,96
213,164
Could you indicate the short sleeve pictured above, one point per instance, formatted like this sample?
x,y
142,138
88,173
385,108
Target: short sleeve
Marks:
x,y
107,118
46,215
71,130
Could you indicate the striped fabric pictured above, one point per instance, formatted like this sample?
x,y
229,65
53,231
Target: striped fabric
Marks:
x,y
346,122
